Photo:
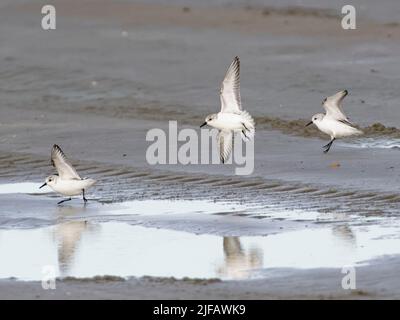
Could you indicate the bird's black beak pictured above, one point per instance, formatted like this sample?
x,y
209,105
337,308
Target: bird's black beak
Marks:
x,y
203,124
309,123
44,184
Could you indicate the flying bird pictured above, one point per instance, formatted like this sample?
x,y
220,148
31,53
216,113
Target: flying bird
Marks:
x,y
334,122
232,118
67,182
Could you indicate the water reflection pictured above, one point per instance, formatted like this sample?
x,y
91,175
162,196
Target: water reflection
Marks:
x,y
346,234
69,211
238,263
67,235
87,249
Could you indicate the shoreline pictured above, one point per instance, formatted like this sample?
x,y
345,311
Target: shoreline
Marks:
x,y
310,284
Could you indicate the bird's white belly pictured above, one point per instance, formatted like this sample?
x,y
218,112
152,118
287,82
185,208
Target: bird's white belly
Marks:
x,y
228,121
72,187
326,127
336,129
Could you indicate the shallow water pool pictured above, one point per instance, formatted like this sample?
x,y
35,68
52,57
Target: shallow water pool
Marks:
x,y
82,249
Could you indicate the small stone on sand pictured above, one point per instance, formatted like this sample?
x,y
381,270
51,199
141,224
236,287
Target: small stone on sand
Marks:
x,y
334,165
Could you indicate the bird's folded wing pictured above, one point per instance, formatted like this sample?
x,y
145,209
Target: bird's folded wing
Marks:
x,y
347,122
63,166
230,89
225,142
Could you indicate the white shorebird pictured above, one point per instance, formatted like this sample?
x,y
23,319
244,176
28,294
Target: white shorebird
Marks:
x,y
67,182
334,123
231,118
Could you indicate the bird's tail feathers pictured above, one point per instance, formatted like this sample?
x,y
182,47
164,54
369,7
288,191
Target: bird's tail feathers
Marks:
x,y
358,132
89,181
249,125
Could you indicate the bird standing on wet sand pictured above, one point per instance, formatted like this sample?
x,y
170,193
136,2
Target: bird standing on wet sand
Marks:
x,y
334,123
67,182
232,118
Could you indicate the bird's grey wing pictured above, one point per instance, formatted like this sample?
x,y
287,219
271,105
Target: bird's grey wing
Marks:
x,y
348,123
63,166
335,112
333,106
225,142
230,89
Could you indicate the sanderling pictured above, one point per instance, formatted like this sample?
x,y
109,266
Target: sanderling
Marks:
x,y
231,118
67,182
334,123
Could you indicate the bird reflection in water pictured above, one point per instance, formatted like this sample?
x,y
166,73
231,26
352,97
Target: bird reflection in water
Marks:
x,y
68,236
238,262
344,233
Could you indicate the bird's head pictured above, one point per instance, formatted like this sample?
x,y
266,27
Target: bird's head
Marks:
x,y
316,118
50,181
209,119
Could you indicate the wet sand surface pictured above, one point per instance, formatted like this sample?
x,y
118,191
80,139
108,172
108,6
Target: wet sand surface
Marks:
x,y
111,72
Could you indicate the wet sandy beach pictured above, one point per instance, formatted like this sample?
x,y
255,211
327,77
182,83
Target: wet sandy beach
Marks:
x,y
111,72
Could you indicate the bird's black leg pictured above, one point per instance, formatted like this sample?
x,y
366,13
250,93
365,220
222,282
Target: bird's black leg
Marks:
x,y
244,133
328,146
83,196
64,201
